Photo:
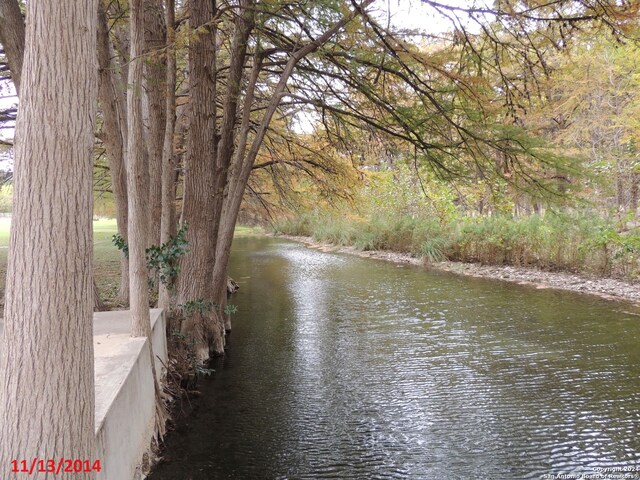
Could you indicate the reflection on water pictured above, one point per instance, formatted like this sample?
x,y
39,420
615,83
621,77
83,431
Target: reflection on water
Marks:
x,y
342,367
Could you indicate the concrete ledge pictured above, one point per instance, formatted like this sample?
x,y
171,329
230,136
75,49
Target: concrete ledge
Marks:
x,y
108,325
125,399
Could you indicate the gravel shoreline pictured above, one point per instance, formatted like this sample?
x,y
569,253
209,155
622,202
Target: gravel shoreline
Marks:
x,y
609,288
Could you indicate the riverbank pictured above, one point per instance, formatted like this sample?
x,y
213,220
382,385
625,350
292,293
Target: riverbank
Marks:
x,y
603,287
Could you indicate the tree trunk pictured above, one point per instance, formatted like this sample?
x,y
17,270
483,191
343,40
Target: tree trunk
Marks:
x,y
137,180
200,279
238,176
12,37
46,367
620,200
633,192
138,187
115,139
121,45
97,301
194,282
243,27
245,159
168,220
155,86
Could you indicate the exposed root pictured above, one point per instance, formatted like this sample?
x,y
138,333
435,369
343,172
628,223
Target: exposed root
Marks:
x,y
183,370
232,285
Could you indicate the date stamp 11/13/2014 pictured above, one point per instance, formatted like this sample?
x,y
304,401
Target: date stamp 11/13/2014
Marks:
x,y
55,466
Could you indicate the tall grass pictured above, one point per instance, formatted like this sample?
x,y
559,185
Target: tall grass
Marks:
x,y
573,242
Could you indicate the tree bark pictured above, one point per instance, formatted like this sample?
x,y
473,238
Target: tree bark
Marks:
x,y
194,282
633,191
12,37
155,86
238,176
243,26
97,301
121,45
46,367
168,219
137,180
204,277
115,139
138,187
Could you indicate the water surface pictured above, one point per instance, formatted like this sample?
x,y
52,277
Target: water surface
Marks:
x,y
351,368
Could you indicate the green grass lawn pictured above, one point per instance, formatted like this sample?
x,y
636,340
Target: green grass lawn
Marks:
x,y
244,231
106,259
5,224
103,229
106,262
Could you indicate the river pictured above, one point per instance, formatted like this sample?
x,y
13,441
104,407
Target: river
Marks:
x,y
351,368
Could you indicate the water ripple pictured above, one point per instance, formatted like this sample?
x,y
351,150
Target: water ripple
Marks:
x,y
346,368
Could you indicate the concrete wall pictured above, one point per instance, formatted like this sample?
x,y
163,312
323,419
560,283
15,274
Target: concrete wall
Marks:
x,y
125,398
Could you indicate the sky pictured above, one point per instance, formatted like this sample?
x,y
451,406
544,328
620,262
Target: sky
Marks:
x,y
7,99
406,13
415,14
